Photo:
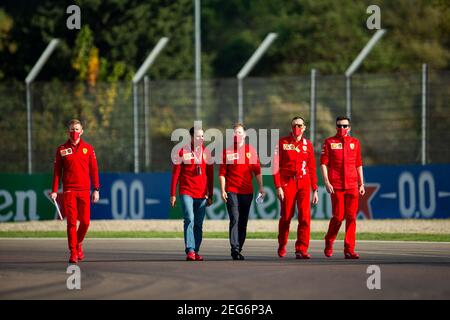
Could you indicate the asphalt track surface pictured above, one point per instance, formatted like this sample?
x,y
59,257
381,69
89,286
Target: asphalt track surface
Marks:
x,y
156,269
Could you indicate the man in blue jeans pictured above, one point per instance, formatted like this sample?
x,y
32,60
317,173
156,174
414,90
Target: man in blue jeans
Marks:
x,y
195,178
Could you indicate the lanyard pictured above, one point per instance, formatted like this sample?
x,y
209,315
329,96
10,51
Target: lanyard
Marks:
x,y
197,160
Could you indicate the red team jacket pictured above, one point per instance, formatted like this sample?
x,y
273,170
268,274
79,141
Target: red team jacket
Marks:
x,y
77,165
238,165
342,155
294,159
185,172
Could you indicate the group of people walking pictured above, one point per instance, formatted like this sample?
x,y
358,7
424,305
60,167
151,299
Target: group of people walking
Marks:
x,y
295,178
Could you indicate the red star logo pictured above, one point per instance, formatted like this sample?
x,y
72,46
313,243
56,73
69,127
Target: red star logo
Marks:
x,y
364,207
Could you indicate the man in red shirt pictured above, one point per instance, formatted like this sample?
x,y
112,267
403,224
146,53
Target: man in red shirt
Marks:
x,y
195,178
342,172
240,162
294,177
76,163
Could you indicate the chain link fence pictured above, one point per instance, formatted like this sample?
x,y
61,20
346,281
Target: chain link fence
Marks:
x,y
386,116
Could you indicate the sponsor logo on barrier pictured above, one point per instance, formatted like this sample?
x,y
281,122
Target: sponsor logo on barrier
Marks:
x,y
392,192
13,205
364,203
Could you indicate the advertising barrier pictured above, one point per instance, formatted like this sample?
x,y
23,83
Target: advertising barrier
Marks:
x,y
392,192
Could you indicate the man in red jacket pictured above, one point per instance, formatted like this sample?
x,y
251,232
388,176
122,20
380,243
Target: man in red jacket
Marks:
x,y
239,164
294,177
342,172
76,163
195,178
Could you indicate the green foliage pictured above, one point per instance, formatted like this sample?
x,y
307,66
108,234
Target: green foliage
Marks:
x,y
321,34
6,43
326,35
89,74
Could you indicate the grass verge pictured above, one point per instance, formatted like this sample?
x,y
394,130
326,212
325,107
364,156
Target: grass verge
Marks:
x,y
224,235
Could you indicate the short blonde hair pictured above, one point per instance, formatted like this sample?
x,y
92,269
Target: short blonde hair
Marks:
x,y
74,122
239,124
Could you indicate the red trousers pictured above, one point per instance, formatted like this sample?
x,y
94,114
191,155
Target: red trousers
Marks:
x,y
77,207
296,191
344,204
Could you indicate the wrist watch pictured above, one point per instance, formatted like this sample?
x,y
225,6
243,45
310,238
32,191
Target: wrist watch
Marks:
x,y
96,189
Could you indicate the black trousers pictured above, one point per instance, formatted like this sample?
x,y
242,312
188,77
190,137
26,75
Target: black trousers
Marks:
x,y
238,206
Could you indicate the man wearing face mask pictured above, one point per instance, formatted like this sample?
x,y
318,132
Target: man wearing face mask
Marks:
x,y
76,165
342,172
294,177
194,173
239,164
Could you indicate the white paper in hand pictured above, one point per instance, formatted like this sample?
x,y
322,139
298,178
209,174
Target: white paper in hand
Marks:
x,y
259,198
57,209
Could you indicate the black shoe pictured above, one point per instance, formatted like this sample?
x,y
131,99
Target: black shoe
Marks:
x,y
237,256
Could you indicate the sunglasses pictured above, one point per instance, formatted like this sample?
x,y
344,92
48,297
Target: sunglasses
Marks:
x,y
298,125
345,126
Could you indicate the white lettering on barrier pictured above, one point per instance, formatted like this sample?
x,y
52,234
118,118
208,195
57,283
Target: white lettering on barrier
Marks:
x,y
119,211
23,199
413,196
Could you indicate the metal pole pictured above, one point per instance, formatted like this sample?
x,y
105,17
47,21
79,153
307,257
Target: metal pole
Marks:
x,y
348,87
198,72
42,60
28,81
424,113
313,106
136,79
257,55
355,65
146,122
135,127
240,101
150,59
29,129
249,66
364,52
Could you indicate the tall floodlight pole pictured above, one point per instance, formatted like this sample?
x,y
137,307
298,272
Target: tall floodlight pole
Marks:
x,y
29,81
198,62
355,65
136,79
248,67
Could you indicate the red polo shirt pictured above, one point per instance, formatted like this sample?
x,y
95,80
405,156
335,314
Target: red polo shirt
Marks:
x,y
342,155
194,182
77,165
294,158
238,166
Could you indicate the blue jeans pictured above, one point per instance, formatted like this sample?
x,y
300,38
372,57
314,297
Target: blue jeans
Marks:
x,y
194,210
